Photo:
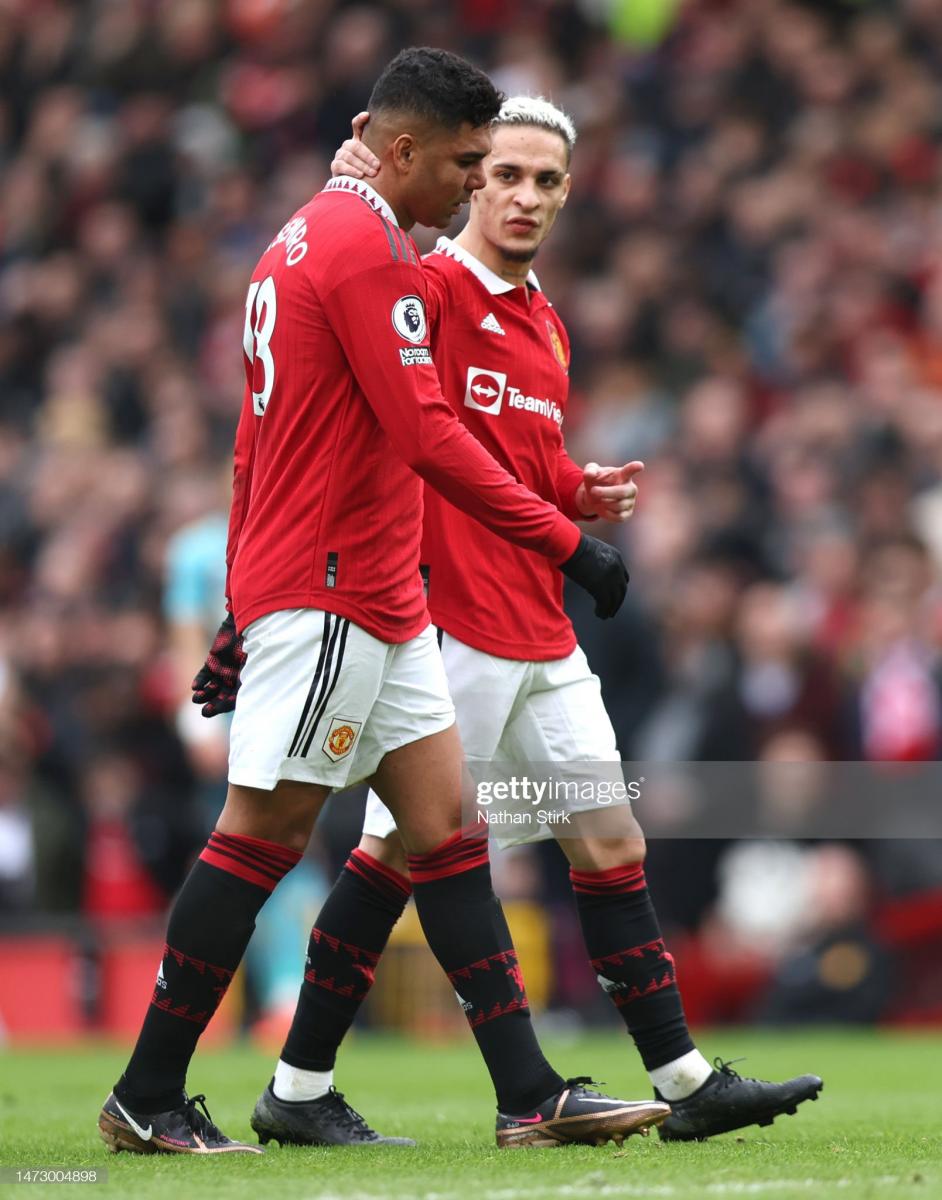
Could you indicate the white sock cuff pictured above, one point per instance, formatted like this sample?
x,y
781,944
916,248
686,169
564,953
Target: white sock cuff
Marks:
x,y
678,1079
291,1083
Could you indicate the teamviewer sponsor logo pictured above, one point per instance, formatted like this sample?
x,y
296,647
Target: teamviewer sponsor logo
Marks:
x,y
485,390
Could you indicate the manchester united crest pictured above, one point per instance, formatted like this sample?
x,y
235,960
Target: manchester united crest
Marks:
x,y
340,738
558,348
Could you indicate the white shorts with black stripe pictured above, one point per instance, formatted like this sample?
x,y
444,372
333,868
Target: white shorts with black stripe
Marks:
x,y
322,701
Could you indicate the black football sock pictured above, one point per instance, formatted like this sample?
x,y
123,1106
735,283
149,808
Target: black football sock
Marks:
x,y
465,927
628,955
348,937
210,926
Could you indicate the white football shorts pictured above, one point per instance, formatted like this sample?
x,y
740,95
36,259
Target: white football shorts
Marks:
x,y
509,711
322,701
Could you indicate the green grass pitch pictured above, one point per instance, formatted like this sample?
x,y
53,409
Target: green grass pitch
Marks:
x,y
875,1132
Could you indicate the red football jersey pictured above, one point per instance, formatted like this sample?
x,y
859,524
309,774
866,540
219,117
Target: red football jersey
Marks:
x,y
342,407
503,356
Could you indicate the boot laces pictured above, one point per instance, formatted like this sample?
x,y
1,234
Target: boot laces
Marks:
x,y
200,1122
726,1069
583,1081
347,1116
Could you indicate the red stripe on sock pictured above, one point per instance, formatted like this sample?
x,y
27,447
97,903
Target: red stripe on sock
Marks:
x,y
623,999
461,852
236,867
618,957
225,855
182,1011
226,850
348,948
368,868
270,853
479,1017
503,960
239,856
629,878
247,851
200,964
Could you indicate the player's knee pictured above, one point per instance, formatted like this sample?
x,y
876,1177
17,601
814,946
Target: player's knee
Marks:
x,y
388,850
284,816
295,837
603,854
293,834
432,831
634,850
623,852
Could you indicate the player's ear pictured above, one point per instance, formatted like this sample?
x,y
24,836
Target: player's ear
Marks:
x,y
567,183
404,153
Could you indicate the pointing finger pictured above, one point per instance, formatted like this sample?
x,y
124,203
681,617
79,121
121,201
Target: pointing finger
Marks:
x,y
630,470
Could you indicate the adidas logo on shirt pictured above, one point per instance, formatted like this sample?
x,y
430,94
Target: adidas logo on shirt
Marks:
x,y
492,325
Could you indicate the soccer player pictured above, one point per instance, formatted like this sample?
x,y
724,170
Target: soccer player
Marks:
x,y
522,687
343,678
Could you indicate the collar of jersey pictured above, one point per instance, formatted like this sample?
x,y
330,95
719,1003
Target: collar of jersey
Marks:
x,y
494,284
359,187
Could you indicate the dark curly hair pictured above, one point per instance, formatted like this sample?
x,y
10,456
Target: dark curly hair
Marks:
x,y
436,85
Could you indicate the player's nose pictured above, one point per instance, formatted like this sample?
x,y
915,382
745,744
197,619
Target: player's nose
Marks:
x,y
526,197
476,178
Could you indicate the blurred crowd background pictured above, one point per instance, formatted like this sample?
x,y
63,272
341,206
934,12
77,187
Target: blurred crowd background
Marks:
x,y
750,268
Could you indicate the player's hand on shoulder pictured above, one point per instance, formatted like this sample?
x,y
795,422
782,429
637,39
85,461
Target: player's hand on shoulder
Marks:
x,y
609,492
354,157
600,569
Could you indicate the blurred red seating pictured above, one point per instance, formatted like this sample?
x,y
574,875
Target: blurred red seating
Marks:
x,y
41,989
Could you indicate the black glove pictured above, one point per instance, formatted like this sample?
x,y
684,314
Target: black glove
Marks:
x,y
217,681
598,567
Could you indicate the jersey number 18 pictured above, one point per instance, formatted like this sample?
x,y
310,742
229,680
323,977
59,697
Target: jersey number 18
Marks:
x,y
260,311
